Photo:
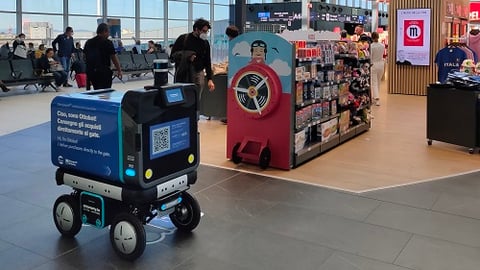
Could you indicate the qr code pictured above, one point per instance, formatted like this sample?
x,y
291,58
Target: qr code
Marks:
x,y
161,140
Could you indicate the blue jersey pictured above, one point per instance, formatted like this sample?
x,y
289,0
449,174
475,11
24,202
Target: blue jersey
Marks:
x,y
448,59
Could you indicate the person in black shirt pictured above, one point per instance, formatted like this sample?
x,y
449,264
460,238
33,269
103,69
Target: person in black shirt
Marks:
x,y
99,51
197,43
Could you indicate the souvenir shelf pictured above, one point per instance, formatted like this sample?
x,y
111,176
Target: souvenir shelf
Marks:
x,y
294,96
331,97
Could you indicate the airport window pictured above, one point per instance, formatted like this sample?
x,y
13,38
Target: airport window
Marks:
x,y
42,28
128,30
151,8
151,29
8,5
222,2
221,12
84,27
177,10
85,7
45,6
7,26
123,8
176,28
201,11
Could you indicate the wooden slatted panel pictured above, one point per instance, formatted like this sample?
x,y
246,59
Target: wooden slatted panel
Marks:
x,y
413,80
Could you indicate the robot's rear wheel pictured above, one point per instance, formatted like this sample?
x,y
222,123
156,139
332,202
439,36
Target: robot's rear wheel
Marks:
x,y
187,213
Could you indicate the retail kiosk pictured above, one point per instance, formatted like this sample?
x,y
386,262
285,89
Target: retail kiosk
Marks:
x,y
292,97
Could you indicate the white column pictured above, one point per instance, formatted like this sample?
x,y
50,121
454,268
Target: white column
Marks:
x,y
305,14
375,17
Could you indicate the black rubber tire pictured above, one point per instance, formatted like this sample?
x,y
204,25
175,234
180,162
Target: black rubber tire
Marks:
x,y
127,236
429,142
66,215
235,158
186,216
265,157
471,150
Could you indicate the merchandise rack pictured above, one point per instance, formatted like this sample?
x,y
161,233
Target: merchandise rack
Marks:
x,y
298,114
316,144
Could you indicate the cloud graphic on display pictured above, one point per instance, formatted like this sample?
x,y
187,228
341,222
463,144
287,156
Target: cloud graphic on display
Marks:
x,y
241,49
281,67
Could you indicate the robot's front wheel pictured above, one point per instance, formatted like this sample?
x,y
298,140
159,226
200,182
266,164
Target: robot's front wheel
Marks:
x,y
187,214
127,236
66,215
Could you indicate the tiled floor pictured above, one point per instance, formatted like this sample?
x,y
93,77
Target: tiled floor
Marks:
x,y
249,222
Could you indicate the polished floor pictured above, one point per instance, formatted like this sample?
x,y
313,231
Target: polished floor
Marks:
x,y
249,221
393,152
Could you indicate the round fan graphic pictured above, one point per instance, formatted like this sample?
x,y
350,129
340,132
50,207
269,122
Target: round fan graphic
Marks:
x,y
257,89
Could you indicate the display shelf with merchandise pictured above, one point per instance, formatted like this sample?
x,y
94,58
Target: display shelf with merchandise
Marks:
x,y
341,85
291,96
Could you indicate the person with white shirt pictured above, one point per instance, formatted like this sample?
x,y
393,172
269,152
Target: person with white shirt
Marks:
x,y
378,66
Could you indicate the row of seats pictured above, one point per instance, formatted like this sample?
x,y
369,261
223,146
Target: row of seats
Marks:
x,y
138,63
24,72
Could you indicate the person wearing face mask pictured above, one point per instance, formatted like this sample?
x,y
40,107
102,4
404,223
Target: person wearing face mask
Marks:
x,y
65,49
19,47
196,42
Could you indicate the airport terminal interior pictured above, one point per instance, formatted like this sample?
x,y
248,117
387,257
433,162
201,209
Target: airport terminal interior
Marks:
x,y
383,200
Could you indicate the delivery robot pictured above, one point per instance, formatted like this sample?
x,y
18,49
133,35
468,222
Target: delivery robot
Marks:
x,y
129,157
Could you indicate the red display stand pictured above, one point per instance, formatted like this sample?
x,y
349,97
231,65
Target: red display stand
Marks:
x,y
259,100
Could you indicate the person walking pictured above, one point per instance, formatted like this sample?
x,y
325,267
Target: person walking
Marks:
x,y
377,50
65,49
197,43
99,51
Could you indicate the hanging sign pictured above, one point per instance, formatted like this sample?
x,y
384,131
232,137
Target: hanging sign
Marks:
x,y
474,11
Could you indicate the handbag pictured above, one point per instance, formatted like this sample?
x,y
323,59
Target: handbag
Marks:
x,y
184,70
56,67
20,51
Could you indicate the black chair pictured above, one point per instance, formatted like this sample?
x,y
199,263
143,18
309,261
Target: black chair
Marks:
x,y
149,59
126,62
23,71
140,63
6,72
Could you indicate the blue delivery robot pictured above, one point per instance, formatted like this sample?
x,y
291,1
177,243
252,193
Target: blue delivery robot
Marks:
x,y
129,157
